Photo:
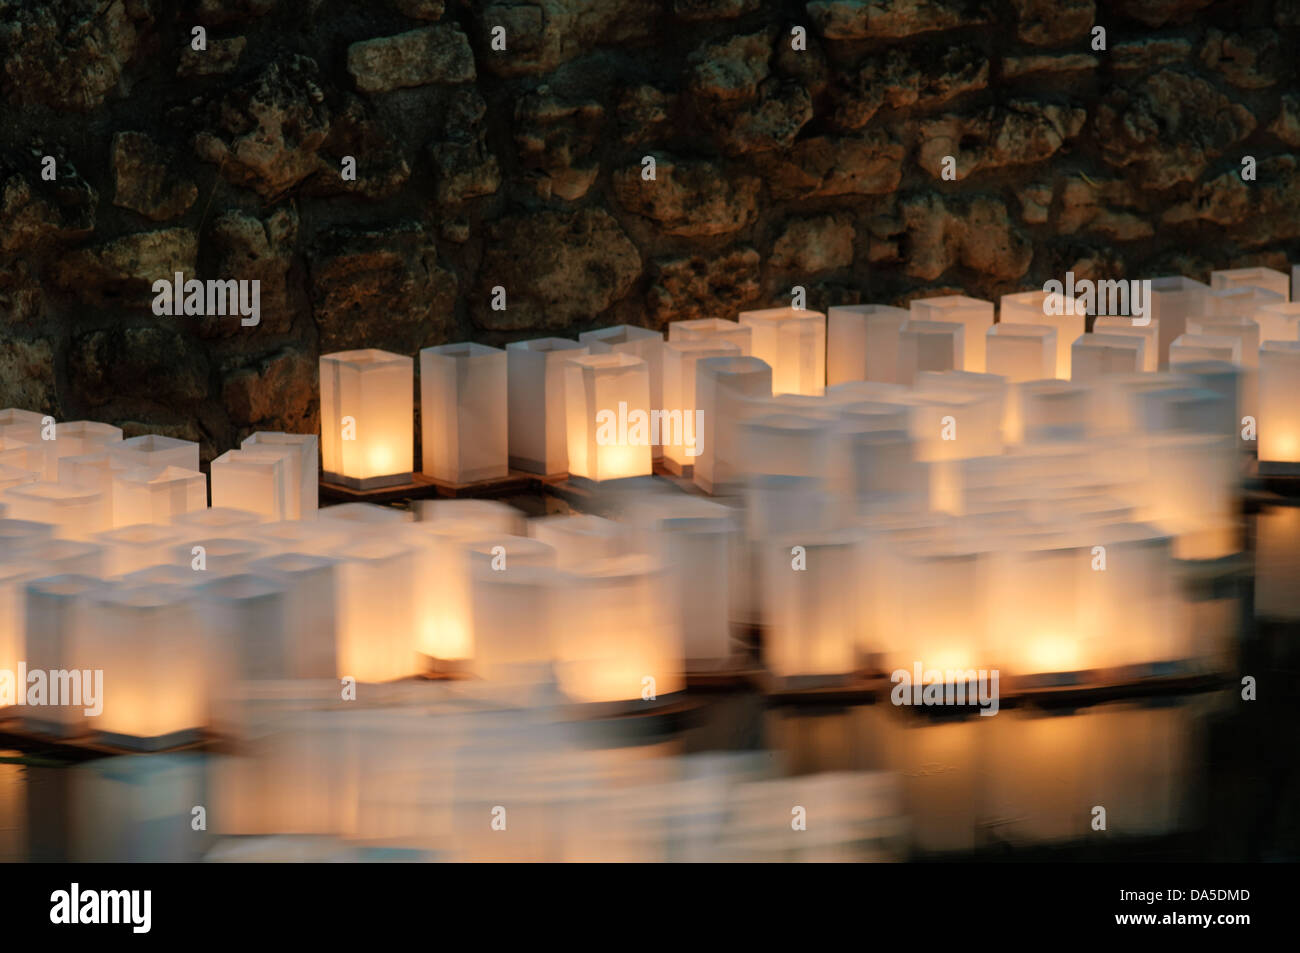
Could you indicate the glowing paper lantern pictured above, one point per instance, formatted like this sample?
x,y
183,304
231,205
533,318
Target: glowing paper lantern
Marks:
x,y
943,621
156,495
77,512
217,520
1021,352
1097,355
1035,616
487,516
1053,410
15,476
1224,378
1279,407
793,343
713,329
1189,487
376,606
578,539
975,317
149,645
14,576
722,386
1189,409
810,603
1149,334
18,536
620,595
463,412
307,537
310,623
245,624
1269,279
367,422
1241,329
514,628
641,342
785,444
862,342
1188,348
538,425
1277,562
77,438
610,430
304,467
1067,316
1278,322
1173,300
259,482
130,548
680,361
30,428
56,620
152,451
366,517
929,346
68,556
216,556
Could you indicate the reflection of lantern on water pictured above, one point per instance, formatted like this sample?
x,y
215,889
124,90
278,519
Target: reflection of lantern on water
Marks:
x,y
862,342
1279,407
150,646
793,343
607,410
367,418
624,595
1277,562
463,399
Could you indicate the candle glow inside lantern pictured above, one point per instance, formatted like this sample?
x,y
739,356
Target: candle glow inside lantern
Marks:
x,y
1035,625
622,595
713,329
862,343
793,343
1149,334
539,441
607,405
1068,316
304,467
463,401
811,612
680,362
722,386
943,612
156,494
974,315
1278,282
1096,355
376,610
641,342
367,418
149,645
1021,352
1279,407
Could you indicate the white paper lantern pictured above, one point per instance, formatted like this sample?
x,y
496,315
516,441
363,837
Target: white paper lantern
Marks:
x,y
76,438
975,317
1098,355
641,342
1189,348
260,482
130,548
1241,329
793,343
155,495
1278,322
305,467
76,511
155,450
1021,352
1278,282
1277,562
713,329
862,342
219,520
538,424
610,428
680,361
57,613
310,620
722,386
578,539
367,418
929,346
1279,407
463,405
514,623
376,610
216,556
1173,300
1149,334
1067,316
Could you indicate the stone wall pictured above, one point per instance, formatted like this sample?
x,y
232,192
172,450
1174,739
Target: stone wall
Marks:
x,y
522,168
